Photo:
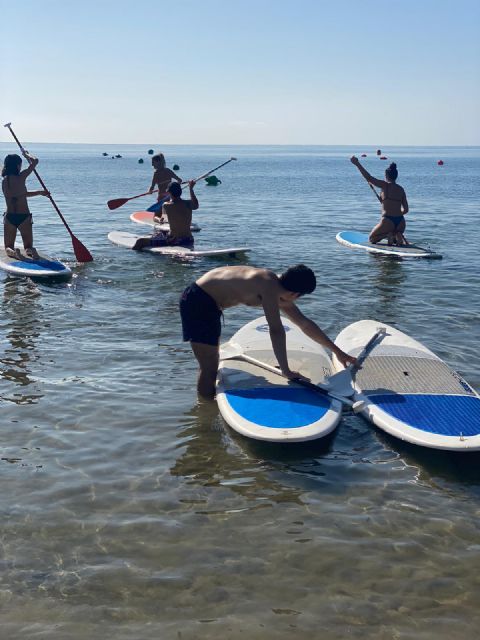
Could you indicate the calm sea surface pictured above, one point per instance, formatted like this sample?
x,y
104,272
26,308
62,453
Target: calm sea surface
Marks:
x,y
129,510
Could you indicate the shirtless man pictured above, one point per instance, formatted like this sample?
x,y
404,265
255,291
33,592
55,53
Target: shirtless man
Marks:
x,y
202,303
179,215
17,215
394,205
162,176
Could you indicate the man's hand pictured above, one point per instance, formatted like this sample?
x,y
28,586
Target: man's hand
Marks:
x,y
344,358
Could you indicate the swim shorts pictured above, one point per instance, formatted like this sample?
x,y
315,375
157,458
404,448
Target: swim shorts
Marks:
x,y
163,239
200,316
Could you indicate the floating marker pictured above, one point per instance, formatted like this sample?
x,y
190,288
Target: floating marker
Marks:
x,y
150,152
140,161
212,181
364,155
383,158
440,163
104,153
379,152
176,167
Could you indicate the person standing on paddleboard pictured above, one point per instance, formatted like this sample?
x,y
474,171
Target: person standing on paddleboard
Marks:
x,y
17,214
179,215
202,304
394,205
162,176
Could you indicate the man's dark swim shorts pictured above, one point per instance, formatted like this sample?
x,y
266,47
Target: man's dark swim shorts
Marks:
x,y
200,316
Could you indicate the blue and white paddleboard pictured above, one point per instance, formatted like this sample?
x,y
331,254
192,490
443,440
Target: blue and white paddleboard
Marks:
x,y
411,393
263,405
359,240
43,267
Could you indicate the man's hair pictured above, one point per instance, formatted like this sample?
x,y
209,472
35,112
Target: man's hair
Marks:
x,y
299,279
174,189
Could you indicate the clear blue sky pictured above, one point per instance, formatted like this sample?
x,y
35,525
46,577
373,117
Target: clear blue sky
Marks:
x,y
242,71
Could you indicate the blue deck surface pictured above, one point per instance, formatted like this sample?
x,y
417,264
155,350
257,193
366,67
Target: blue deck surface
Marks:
x,y
39,265
443,415
279,407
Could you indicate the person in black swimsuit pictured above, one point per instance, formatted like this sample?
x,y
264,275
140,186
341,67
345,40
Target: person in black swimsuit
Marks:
x,y
394,205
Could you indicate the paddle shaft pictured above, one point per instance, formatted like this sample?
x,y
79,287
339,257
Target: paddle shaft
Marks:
x,y
119,202
86,256
374,191
303,383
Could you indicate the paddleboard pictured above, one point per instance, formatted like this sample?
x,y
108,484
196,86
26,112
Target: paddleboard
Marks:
x,y
128,240
411,393
359,240
43,267
263,405
146,217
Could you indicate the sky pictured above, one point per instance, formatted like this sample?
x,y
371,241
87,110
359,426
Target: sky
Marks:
x,y
351,72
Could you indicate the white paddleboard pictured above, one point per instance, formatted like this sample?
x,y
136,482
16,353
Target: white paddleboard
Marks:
x,y
263,405
128,240
411,393
43,267
146,217
359,240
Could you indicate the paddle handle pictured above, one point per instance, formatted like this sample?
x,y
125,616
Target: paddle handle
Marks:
x,y
304,383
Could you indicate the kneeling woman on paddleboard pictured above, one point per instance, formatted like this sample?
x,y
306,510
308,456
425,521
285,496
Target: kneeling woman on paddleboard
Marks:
x,y
17,215
394,205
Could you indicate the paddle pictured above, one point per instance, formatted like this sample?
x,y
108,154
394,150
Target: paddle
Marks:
x,y
374,191
119,202
232,352
82,254
343,378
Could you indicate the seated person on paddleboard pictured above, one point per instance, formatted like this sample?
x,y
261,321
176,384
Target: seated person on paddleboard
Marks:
x,y
203,302
179,215
394,205
17,215
162,177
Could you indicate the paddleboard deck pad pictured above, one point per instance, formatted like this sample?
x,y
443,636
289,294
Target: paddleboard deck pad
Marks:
x,y
43,267
128,240
262,405
411,393
146,217
359,240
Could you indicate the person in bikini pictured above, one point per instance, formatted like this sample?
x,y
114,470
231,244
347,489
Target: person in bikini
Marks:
x,y
162,176
394,206
202,304
179,215
17,214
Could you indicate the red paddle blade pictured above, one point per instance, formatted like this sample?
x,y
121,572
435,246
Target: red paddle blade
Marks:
x,y
82,254
118,202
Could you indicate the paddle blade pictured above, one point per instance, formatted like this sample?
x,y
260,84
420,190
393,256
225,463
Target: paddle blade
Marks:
x,y
82,254
118,202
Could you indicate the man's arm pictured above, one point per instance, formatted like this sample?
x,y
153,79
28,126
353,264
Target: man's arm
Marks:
x,y
193,197
313,331
277,331
377,183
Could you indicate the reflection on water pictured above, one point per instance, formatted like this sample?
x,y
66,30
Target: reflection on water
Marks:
x,y
21,328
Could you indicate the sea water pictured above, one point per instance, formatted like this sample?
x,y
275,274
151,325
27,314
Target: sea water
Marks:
x,y
130,510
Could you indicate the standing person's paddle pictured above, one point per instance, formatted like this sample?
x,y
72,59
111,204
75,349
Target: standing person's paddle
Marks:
x,y
82,254
119,202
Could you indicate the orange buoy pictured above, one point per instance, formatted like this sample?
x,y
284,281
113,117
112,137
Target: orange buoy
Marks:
x,y
440,163
383,158
364,155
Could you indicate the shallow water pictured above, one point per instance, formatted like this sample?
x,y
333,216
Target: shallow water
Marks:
x,y
130,509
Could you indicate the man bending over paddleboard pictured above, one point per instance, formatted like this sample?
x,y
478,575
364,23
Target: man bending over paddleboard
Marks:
x,y
179,215
202,304
394,205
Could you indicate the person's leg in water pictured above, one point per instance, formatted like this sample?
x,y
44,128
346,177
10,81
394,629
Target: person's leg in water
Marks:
x,y
207,357
382,230
26,230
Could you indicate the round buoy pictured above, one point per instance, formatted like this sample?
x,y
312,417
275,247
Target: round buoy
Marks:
x,y
212,181
104,153
118,156
364,155
150,152
176,167
140,161
379,152
440,163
